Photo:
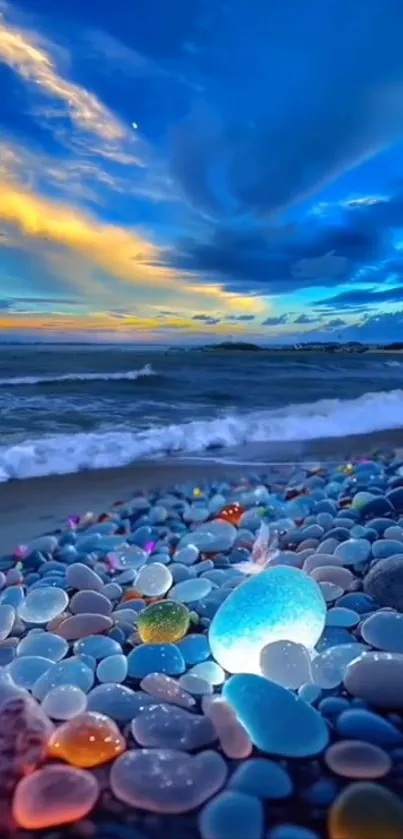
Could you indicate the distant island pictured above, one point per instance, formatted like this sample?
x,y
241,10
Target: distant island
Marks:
x,y
330,347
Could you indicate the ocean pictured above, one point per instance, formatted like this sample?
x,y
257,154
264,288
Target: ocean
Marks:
x,y
72,408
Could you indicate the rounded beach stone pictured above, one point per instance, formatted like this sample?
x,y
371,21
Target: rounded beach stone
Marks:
x,y
119,702
358,760
277,721
7,618
210,671
333,574
281,603
329,667
384,630
366,811
88,739
195,685
41,605
70,671
81,577
194,648
163,622
168,727
45,644
353,551
112,669
165,780
80,626
286,663
211,537
232,815
155,658
97,646
377,678
25,671
90,601
384,582
166,689
53,796
340,616
189,591
154,580
64,702
360,724
263,778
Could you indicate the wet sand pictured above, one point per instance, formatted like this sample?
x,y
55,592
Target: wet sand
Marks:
x,y
29,508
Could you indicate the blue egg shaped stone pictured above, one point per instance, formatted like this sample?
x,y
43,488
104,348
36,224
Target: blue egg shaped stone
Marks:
x,y
232,814
280,604
155,658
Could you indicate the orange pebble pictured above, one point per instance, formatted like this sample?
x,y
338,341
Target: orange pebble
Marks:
x,y
86,740
232,513
131,594
53,796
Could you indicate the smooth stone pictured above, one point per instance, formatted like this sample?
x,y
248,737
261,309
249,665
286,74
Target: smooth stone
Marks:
x,y
358,601
384,630
112,591
211,537
155,658
53,796
113,668
377,677
358,760
384,582
263,778
330,591
119,702
340,616
329,667
189,591
281,603
354,551
166,689
195,685
277,721
232,815
337,575
234,739
90,602
97,646
81,577
321,560
384,548
43,544
80,626
42,605
71,671
169,727
25,671
165,780
154,580
7,618
395,497
87,740
64,702
187,556
45,644
378,508
366,811
286,663
210,671
360,724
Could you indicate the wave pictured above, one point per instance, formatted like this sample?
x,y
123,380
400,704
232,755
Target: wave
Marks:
x,y
66,453
124,375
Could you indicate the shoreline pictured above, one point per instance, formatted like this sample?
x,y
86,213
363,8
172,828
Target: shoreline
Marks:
x,y
34,506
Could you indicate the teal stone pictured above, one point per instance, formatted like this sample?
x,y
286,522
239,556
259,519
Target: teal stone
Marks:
x,y
263,778
45,644
97,646
189,591
194,648
232,815
280,604
112,669
155,658
277,721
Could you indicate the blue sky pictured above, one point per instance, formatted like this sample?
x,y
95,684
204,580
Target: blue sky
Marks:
x,y
184,171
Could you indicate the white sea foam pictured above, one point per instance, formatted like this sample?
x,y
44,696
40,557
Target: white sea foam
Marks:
x,y
122,375
66,453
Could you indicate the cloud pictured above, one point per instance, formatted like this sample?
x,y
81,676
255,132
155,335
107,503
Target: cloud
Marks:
x,y
361,299
304,319
329,265
276,321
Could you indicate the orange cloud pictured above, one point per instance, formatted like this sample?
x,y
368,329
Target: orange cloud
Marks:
x,y
103,322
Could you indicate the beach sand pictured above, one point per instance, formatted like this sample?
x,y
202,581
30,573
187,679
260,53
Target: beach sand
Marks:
x,y
29,508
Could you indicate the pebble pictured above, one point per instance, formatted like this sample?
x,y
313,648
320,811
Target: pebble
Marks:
x,y
80,626
287,663
154,580
45,644
384,582
358,760
234,739
90,602
7,618
163,622
366,811
86,740
169,727
263,778
155,658
377,678
54,795
365,725
384,630
232,815
64,702
41,605
163,687
113,668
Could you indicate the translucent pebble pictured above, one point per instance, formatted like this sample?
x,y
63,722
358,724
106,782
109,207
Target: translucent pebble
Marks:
x,y
168,727
88,739
211,537
154,580
287,663
377,678
281,603
209,671
165,780
263,778
46,644
155,658
329,667
195,685
97,646
309,693
80,626
90,601
70,671
188,555
384,630
189,591
64,702
194,648
112,669
119,702
41,605
53,796
277,721
166,689
357,760
163,622
366,811
234,739
112,591
340,616
25,671
232,815
7,618
360,724
131,557
82,577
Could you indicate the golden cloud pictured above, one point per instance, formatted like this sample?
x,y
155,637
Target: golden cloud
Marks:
x,y
58,323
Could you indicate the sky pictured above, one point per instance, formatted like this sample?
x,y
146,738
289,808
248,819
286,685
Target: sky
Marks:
x,y
186,171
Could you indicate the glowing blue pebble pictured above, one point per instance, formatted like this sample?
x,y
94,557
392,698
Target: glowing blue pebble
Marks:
x,y
263,778
280,604
277,721
155,658
189,591
232,815
194,648
97,646
112,669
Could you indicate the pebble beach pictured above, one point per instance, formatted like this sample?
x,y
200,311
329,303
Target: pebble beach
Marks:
x,y
211,659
